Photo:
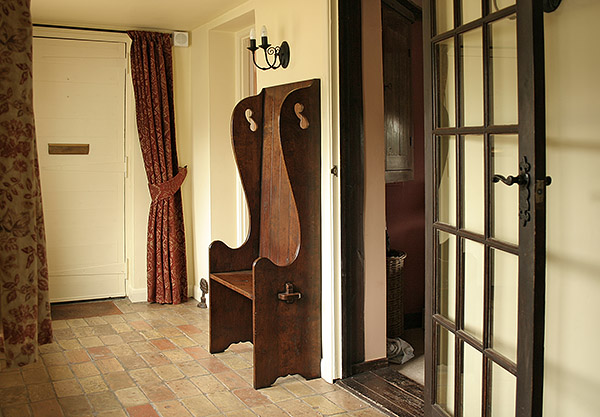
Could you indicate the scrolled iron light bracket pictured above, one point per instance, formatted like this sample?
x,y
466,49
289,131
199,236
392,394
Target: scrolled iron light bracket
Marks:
x,y
551,5
280,54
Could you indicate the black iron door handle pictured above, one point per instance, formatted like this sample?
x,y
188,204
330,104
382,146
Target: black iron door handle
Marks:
x,y
521,179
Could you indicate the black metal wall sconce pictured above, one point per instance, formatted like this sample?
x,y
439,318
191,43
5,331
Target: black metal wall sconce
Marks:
x,y
280,54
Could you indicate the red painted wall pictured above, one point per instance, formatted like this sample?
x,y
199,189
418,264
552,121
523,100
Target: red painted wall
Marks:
x,y
405,201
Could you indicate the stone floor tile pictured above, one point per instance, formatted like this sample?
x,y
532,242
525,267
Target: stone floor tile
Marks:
x,y
60,372
93,384
144,410
169,331
298,408
236,362
83,331
11,396
168,372
121,327
225,401
53,359
345,400
172,409
158,393
47,408
100,352
155,358
40,392
107,366
298,388
70,344
208,384
129,337
95,321
85,369
143,347
150,334
240,413
321,386
121,350
192,368
189,329
132,362
183,388
183,341
163,344
112,413
177,356
269,411
145,376
112,339
75,406
323,405
59,324
20,410
90,341
140,325
103,330
200,406
67,388
241,347
115,318
51,347
214,365
232,380
246,374
11,379
104,401
197,352
277,393
367,412
252,397
76,323
157,323
131,396
77,356
118,380
131,317
63,334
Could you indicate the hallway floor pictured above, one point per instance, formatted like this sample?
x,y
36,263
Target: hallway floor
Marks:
x,y
152,360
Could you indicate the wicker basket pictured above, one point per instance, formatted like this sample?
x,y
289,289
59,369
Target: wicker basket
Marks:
x,y
395,308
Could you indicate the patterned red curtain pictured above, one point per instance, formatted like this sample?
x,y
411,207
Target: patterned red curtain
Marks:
x,y
24,305
152,74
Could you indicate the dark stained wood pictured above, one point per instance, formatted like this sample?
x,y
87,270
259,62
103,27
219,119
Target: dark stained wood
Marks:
x,y
532,237
388,390
280,169
397,115
238,281
68,148
367,366
352,187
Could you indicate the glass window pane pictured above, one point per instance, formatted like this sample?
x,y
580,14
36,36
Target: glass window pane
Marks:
x,y
445,370
473,253
505,162
446,291
503,65
471,55
504,393
445,85
470,10
506,294
472,380
444,16
496,5
446,165
473,182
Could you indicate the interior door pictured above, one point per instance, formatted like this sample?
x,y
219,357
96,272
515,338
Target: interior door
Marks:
x,y
485,194
80,100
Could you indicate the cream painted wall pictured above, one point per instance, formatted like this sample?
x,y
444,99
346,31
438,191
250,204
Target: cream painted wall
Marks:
x,y
374,220
306,27
572,369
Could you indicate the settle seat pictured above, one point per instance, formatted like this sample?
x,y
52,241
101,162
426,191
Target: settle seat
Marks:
x,y
268,291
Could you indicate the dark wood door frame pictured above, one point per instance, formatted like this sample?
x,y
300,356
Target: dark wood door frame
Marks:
x,y
352,173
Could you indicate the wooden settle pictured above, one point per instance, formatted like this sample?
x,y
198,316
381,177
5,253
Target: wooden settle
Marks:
x,y
268,291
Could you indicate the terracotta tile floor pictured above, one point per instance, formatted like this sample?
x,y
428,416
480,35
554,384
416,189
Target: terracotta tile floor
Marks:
x,y
153,361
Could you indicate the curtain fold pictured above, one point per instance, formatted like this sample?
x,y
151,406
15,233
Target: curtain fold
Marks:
x,y
24,302
152,75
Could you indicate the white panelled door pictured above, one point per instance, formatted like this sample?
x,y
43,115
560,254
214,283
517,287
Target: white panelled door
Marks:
x,y
79,98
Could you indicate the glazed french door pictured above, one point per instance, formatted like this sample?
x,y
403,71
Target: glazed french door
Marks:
x,y
485,157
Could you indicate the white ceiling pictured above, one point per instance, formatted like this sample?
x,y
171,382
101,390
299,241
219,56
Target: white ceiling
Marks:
x,y
182,15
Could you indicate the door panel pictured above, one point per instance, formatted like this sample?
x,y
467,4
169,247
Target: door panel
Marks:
x,y
486,238
80,98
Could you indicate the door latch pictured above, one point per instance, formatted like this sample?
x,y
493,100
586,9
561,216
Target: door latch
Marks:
x,y
289,296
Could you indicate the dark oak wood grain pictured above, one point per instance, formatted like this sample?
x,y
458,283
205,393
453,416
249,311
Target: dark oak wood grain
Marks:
x,y
280,170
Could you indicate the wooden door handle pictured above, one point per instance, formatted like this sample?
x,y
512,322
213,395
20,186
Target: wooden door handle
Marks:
x,y
289,296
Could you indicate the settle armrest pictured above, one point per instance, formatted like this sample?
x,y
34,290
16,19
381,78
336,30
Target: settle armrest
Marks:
x,y
222,258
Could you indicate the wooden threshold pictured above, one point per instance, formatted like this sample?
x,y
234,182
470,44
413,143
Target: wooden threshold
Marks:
x,y
239,281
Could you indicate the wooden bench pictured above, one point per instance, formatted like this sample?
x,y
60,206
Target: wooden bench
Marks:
x,y
268,291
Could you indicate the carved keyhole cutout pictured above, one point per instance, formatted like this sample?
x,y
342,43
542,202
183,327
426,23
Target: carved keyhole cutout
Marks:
x,y
299,108
253,125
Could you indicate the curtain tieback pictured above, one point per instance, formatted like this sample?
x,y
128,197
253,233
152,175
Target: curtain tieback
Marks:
x,y
168,188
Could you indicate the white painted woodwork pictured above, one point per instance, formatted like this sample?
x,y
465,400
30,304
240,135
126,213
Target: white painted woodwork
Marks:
x,y
79,97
